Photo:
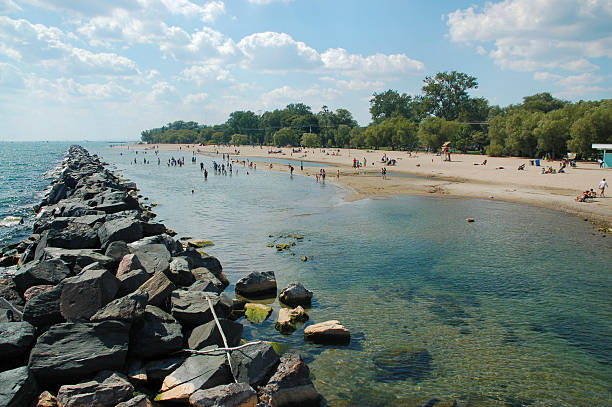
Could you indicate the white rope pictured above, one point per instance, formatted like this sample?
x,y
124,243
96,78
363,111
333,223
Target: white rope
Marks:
x,y
207,352
11,307
227,354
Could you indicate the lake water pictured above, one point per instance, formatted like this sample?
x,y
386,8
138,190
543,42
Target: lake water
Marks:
x,y
514,309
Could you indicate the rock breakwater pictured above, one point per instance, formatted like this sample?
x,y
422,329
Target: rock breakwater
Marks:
x,y
114,301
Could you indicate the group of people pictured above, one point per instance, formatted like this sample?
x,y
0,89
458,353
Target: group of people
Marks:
x,y
590,194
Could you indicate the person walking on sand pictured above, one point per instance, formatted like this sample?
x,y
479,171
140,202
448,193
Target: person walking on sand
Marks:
x,y
602,187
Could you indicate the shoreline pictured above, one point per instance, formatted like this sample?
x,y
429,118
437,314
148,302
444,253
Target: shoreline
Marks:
x,y
425,174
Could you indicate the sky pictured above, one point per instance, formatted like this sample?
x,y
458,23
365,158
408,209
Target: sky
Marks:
x,y
106,70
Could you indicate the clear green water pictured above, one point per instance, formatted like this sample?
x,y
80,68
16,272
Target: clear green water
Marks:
x,y
514,309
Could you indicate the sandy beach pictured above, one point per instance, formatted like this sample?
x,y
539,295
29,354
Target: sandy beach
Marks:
x,y
463,176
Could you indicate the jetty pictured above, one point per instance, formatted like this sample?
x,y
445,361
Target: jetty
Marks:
x,y
103,307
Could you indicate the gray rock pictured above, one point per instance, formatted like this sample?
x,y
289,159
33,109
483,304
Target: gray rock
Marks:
x,y
70,352
115,201
127,309
191,307
157,370
158,287
57,193
107,389
296,294
180,272
116,250
77,259
197,372
84,294
18,389
44,309
153,229
136,371
228,395
156,334
210,280
74,236
154,257
290,385
208,334
138,401
36,290
254,364
46,272
8,289
257,285
15,339
129,282
125,229
211,286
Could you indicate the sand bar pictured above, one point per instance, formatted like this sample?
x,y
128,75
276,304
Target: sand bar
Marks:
x,y
499,179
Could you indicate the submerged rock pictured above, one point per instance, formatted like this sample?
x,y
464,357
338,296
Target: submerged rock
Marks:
x,y
401,364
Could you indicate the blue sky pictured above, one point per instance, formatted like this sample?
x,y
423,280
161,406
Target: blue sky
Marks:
x,y
106,70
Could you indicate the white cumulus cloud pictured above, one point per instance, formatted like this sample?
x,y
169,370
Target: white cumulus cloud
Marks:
x,y
532,35
379,64
272,51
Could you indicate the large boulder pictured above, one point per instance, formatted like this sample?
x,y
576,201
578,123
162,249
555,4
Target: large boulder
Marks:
x,y
115,201
208,334
18,387
154,257
57,193
257,285
290,385
77,259
128,263
116,250
138,401
15,339
191,307
74,236
254,364
36,290
296,294
328,332
46,272
197,372
225,395
180,272
106,389
84,294
158,369
206,281
158,288
69,352
130,281
125,229
44,309
156,334
127,309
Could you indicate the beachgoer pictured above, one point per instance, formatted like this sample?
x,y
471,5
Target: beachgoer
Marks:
x,y
205,174
600,161
602,187
301,166
338,175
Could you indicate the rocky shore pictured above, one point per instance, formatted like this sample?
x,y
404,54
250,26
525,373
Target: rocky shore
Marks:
x,y
103,307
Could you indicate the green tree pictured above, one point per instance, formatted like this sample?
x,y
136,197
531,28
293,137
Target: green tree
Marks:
x,y
310,140
286,136
552,133
241,122
239,139
434,131
595,126
542,102
358,137
446,93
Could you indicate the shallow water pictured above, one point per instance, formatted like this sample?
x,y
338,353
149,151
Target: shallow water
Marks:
x,y
511,310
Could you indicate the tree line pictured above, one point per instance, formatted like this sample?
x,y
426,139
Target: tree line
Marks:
x,y
444,111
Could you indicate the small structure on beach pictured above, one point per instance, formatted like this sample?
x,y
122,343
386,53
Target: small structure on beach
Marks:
x,y
607,153
446,151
